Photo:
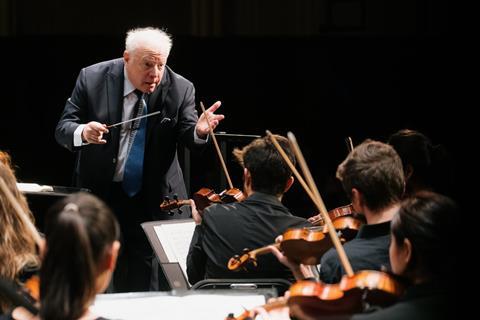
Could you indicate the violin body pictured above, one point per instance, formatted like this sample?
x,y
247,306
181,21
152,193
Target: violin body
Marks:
x,y
205,197
232,195
344,221
351,295
305,245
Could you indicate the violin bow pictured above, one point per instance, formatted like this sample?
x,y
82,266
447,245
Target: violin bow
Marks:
x,y
320,205
21,214
219,153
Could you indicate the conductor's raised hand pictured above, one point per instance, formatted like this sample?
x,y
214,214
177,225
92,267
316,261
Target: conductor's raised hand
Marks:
x,y
93,133
202,127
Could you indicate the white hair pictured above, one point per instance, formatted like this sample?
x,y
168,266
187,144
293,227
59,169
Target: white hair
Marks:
x,y
152,38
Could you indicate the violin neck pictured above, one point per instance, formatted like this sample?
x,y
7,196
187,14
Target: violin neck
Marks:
x,y
263,250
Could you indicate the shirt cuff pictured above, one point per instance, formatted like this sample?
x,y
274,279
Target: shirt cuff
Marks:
x,y
197,139
77,136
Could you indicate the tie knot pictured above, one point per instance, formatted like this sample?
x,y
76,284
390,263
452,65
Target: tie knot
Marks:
x,y
138,93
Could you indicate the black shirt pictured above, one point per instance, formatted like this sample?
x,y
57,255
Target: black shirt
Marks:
x,y
227,229
367,251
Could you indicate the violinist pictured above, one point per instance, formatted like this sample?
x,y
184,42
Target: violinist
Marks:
x,y
224,230
372,176
18,250
82,240
417,253
426,165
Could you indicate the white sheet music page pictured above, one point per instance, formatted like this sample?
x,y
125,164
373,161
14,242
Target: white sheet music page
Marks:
x,y
200,307
175,239
33,187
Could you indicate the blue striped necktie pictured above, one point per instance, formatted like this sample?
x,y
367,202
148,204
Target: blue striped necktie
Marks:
x,y
133,172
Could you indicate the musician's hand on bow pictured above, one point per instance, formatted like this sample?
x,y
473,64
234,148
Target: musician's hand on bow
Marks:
x,y
299,271
93,133
202,128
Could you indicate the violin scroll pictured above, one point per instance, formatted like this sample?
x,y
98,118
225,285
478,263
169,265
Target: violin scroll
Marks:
x,y
237,262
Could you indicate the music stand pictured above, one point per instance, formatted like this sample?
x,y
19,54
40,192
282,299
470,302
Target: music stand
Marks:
x,y
170,240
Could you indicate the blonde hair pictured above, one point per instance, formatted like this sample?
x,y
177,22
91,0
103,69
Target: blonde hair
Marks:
x,y
17,244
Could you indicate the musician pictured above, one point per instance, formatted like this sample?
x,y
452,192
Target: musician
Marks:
x,y
18,251
421,233
82,240
426,165
372,176
417,252
224,230
133,183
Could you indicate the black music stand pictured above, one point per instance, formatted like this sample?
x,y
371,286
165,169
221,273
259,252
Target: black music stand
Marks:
x,y
40,201
168,251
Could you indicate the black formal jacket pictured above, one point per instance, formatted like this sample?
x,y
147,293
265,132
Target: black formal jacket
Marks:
x,y
367,251
98,96
227,229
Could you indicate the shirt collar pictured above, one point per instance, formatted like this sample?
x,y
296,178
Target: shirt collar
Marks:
x,y
368,231
127,85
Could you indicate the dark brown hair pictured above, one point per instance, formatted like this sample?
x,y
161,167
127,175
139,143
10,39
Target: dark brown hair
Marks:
x,y
269,170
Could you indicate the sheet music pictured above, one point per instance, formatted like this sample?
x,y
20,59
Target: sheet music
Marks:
x,y
33,187
198,306
175,239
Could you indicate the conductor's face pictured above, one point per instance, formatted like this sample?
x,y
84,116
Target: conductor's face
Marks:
x,y
145,68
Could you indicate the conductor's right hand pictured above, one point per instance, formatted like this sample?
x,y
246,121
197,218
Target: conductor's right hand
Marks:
x,y
93,133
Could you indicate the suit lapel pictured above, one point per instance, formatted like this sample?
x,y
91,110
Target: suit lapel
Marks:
x,y
156,101
114,84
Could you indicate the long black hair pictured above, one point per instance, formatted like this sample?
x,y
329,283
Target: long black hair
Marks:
x,y
78,229
428,220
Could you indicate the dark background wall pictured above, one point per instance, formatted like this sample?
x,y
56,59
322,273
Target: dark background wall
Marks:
x,y
324,70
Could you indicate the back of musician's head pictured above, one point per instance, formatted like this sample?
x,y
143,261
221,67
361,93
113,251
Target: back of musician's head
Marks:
x,y
428,221
425,165
79,230
268,169
374,169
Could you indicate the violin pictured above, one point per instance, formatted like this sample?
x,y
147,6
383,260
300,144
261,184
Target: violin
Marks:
x,y
353,294
203,198
301,245
344,221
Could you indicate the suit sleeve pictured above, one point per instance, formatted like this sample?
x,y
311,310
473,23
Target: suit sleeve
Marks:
x,y
188,118
196,258
73,115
